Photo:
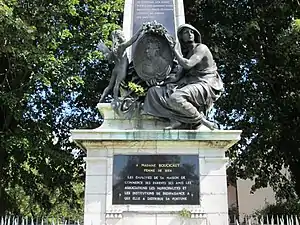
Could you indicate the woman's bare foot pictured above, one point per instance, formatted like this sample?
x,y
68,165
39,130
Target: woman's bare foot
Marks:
x,y
173,125
209,124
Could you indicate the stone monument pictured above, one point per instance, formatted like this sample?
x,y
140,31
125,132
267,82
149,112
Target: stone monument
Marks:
x,y
156,158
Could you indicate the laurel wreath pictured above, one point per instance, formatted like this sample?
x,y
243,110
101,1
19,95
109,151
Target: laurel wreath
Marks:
x,y
154,27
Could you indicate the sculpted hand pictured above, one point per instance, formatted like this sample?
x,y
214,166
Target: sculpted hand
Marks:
x,y
144,26
142,32
141,29
151,82
171,41
177,47
170,79
177,51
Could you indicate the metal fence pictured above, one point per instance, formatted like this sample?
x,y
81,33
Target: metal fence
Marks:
x,y
267,220
16,220
242,220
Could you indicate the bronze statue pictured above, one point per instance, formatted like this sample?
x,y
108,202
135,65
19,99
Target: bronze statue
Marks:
x,y
119,56
187,96
183,93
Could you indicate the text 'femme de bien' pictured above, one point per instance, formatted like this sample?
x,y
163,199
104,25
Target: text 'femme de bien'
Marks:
x,y
158,168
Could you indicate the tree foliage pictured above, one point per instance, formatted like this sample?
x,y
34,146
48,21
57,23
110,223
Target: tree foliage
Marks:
x,y
50,79
281,209
257,47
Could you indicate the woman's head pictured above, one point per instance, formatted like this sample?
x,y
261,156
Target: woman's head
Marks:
x,y
153,48
187,33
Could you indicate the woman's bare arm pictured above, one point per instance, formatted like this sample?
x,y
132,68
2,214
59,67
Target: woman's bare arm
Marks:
x,y
133,38
187,64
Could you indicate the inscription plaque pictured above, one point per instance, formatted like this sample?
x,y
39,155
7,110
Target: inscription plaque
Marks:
x,y
156,179
148,10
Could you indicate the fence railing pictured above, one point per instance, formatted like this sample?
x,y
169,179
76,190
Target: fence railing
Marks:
x,y
267,220
243,220
16,220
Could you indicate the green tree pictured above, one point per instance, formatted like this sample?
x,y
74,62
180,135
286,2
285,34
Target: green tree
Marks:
x,y
291,207
51,77
257,47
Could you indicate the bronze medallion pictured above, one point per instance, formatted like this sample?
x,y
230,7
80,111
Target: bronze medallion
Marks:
x,y
153,57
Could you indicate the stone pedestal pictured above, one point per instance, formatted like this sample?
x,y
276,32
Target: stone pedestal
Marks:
x,y
145,136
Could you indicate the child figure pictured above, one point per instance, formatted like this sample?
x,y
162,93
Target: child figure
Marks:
x,y
119,56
